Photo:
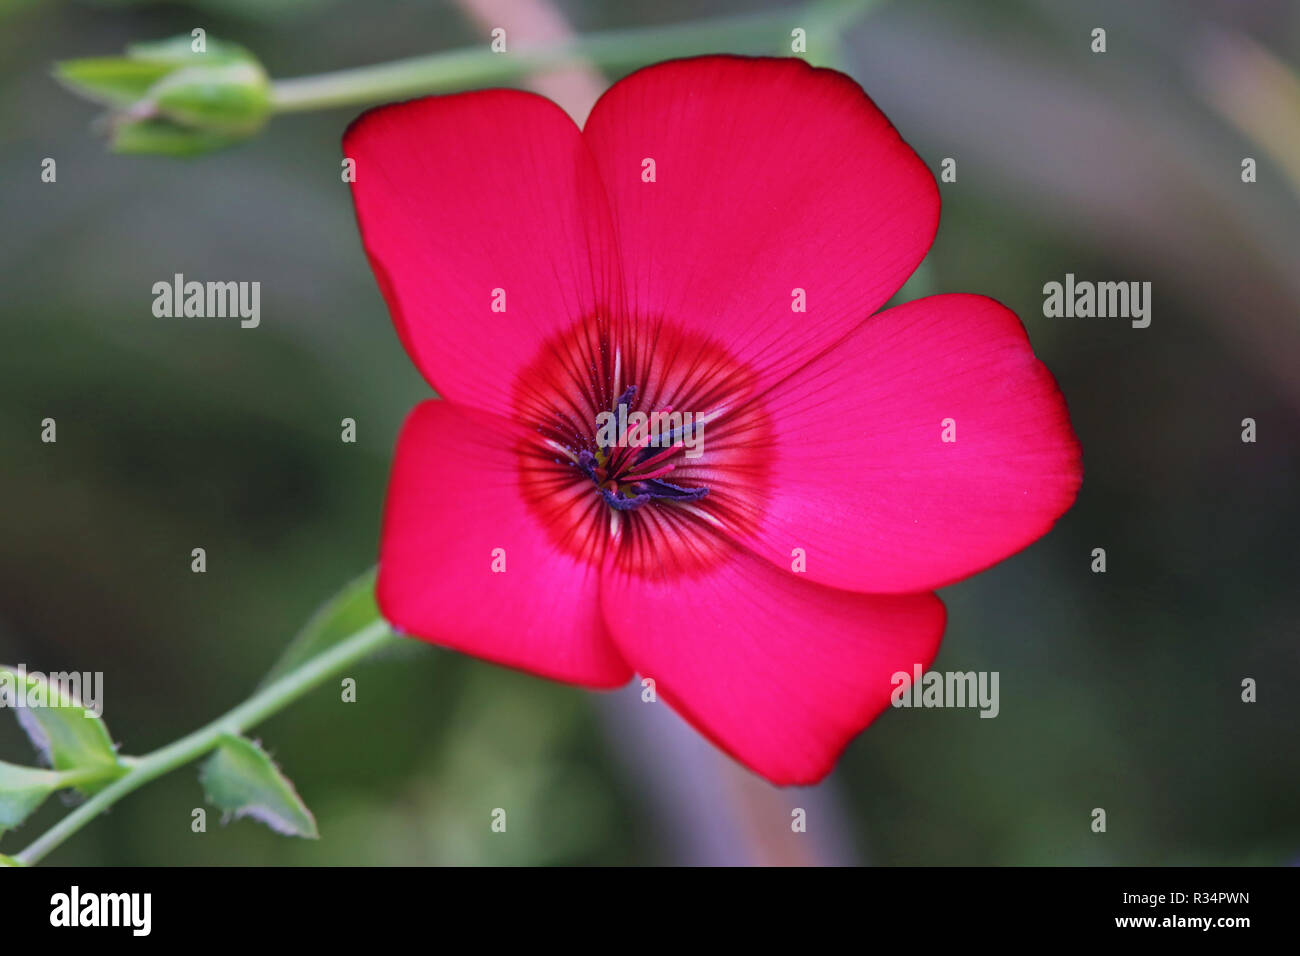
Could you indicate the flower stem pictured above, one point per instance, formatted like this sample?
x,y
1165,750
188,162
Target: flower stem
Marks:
x,y
764,32
274,697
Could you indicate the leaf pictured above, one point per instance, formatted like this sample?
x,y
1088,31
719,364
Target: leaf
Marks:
x,y
242,780
123,80
65,734
340,617
163,138
22,790
9,861
110,79
179,51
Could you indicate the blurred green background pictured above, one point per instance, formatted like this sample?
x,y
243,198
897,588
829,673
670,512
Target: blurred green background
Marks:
x,y
1119,690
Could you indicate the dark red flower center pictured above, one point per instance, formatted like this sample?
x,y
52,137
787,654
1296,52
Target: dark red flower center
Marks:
x,y
649,439
630,470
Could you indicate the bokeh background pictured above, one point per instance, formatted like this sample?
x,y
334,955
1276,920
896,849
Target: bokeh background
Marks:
x,y
1118,690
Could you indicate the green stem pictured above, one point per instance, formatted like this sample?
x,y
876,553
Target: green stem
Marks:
x,y
264,703
81,775
764,32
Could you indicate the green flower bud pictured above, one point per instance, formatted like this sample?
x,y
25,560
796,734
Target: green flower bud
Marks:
x,y
175,97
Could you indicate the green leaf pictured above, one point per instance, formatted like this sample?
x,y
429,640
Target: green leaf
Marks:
x,y
22,790
9,861
123,80
110,79
65,734
242,780
340,617
179,51
163,138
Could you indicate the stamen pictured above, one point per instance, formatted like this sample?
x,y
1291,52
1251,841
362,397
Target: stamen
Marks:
x,y
619,503
655,457
641,444
643,477
629,475
587,462
662,489
626,398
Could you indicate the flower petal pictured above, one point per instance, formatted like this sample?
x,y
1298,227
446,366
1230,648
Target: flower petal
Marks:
x,y
778,671
769,176
459,196
453,500
862,478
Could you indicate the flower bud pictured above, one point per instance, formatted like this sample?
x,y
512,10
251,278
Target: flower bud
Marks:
x,y
175,97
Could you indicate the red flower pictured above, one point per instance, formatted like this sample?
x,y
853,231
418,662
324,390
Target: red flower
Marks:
x,y
540,275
